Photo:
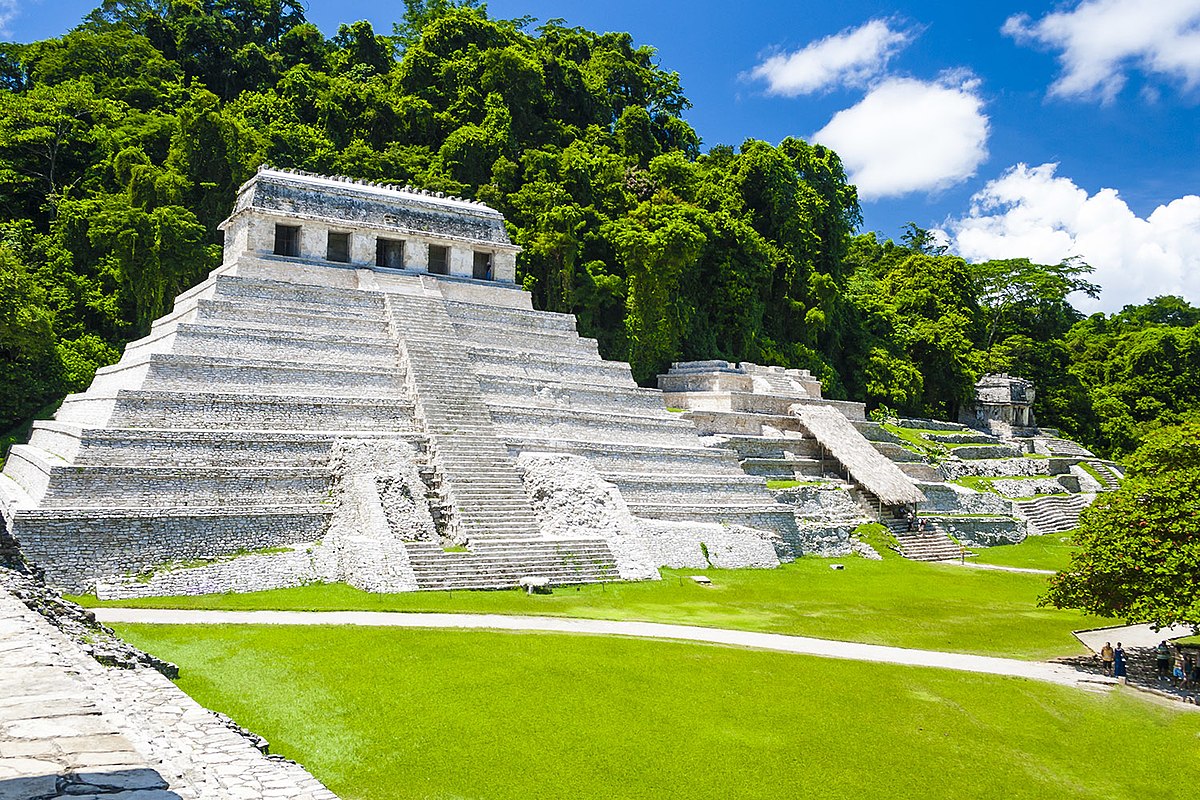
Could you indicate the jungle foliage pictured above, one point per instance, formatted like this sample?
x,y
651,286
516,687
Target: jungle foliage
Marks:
x,y
1139,547
122,144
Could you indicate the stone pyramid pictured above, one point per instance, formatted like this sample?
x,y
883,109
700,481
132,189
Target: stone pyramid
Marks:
x,y
360,392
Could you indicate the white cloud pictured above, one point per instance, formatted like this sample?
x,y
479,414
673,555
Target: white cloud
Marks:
x,y
1031,212
849,58
1101,40
909,136
8,11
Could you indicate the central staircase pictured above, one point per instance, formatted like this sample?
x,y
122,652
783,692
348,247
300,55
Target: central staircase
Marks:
x,y
485,503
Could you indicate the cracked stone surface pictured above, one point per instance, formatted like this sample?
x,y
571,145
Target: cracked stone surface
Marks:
x,y
72,728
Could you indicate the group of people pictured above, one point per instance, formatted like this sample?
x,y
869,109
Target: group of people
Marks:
x,y
914,524
1113,660
1179,666
1175,664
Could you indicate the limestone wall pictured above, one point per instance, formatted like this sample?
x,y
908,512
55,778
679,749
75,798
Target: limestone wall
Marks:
x,y
976,532
83,546
994,467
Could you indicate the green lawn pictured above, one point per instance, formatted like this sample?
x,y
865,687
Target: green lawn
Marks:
x,y
386,714
894,601
1052,551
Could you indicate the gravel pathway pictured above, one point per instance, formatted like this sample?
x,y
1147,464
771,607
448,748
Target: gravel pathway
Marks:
x,y
801,645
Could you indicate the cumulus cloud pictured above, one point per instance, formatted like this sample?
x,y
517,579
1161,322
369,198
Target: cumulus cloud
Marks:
x,y
849,58
1101,40
909,135
8,10
1032,212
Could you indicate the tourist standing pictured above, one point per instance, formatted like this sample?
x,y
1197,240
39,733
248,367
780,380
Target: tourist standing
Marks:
x,y
1106,658
1179,676
1162,660
1119,663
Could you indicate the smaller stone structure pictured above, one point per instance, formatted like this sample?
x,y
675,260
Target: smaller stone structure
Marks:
x,y
1003,406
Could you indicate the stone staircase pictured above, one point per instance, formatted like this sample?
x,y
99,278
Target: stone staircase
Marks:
x,y
477,482
1052,513
931,544
1108,476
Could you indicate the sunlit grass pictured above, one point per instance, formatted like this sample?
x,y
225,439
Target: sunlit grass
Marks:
x,y
386,714
893,602
1052,551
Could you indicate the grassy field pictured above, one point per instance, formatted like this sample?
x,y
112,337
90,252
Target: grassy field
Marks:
x,y
1038,552
385,714
894,601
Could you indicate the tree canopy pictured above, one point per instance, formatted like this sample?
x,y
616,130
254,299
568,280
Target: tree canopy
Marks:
x,y
1139,547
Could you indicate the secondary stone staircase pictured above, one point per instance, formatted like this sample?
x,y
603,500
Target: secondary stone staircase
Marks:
x,y
1065,447
1052,513
1106,473
931,544
489,511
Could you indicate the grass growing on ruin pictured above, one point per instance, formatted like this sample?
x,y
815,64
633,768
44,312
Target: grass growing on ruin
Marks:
x,y
385,714
1052,551
894,602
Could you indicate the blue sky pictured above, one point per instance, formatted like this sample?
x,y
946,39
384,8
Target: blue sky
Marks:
x,y
1028,128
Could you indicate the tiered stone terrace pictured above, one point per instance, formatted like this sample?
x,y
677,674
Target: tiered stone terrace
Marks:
x,y
212,436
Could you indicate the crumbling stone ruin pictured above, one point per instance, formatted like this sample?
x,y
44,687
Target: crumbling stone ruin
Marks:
x,y
839,470
348,397
1003,406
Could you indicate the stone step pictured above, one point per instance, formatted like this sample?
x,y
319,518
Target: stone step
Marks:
x,y
294,319
195,447
764,516
591,425
546,366
785,468
512,317
149,409
295,295
176,372
508,338
686,454
739,489
567,396
303,348
132,486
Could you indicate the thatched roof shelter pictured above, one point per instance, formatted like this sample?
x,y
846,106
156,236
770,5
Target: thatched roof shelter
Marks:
x,y
865,464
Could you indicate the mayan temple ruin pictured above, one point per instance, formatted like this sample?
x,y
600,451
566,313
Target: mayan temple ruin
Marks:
x,y
361,393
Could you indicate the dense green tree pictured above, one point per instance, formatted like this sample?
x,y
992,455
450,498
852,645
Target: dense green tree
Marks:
x,y
1139,547
32,367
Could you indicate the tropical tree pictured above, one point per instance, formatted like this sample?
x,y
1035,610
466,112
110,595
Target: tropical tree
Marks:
x,y
1139,547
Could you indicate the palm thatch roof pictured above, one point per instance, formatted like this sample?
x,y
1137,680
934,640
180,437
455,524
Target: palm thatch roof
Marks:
x,y
865,464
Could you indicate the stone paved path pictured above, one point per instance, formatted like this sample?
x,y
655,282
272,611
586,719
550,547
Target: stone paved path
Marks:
x,y
1053,673
70,727
1130,635
959,563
